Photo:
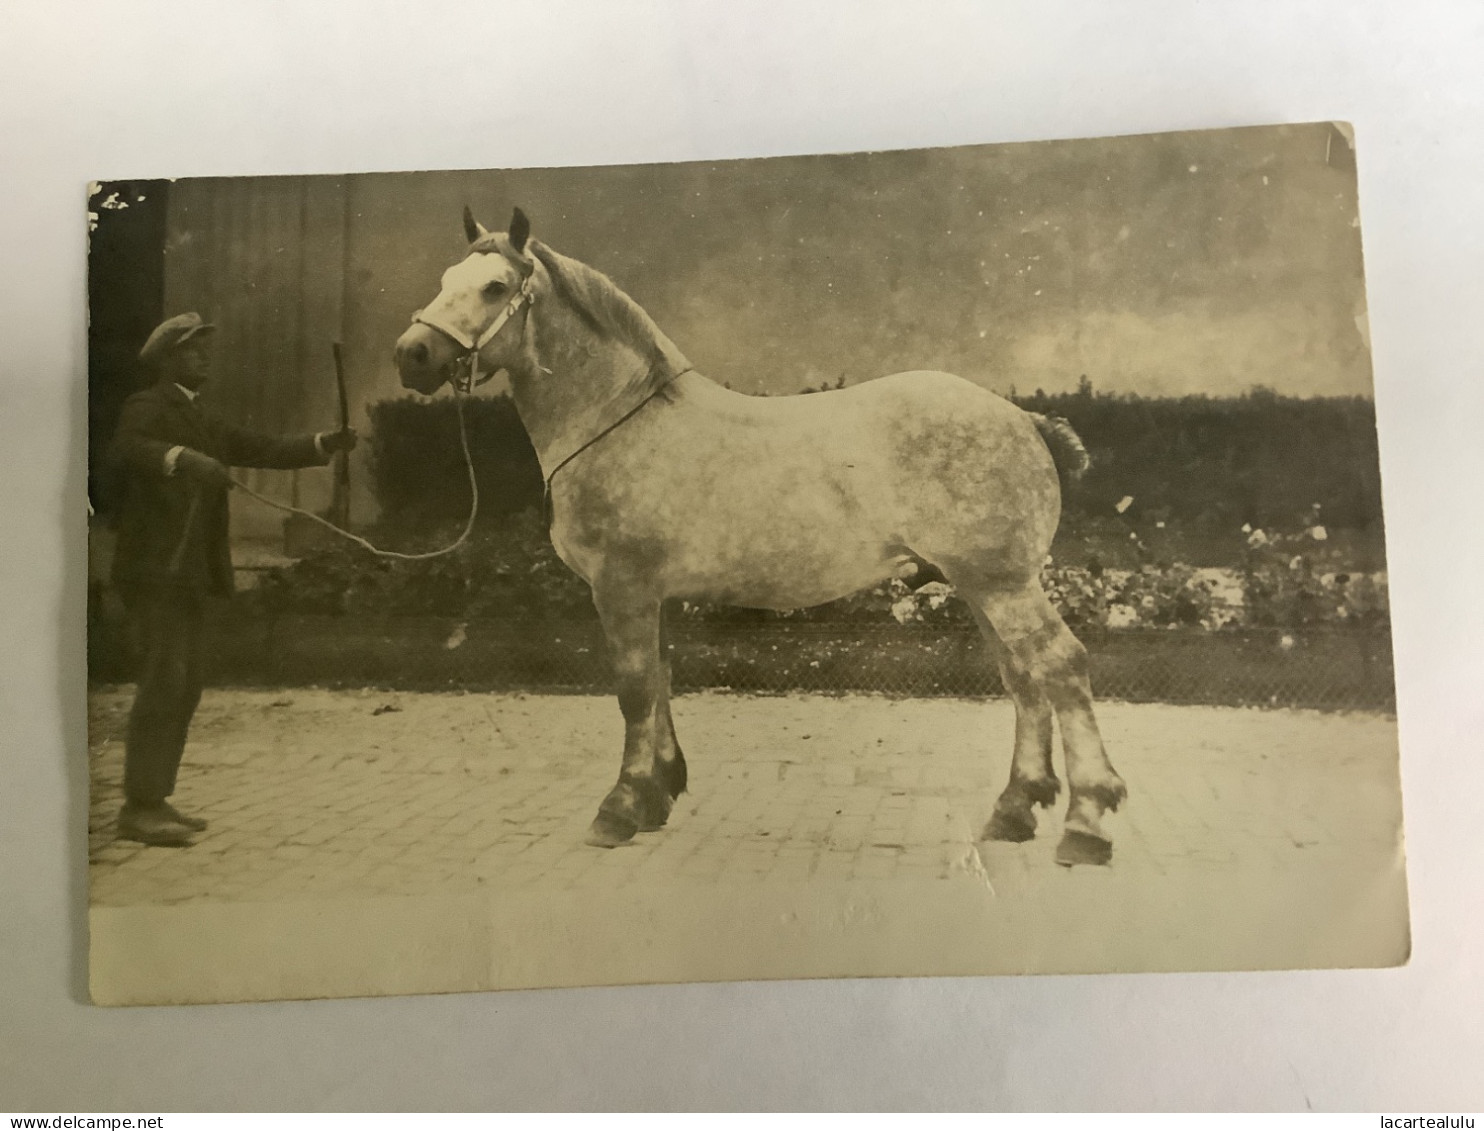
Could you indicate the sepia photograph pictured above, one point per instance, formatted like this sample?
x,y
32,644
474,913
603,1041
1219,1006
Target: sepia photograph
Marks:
x,y
956,561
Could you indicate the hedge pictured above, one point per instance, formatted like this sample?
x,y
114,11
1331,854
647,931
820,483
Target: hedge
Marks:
x,y
1196,461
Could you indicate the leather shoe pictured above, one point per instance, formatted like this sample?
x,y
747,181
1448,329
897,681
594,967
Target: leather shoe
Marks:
x,y
152,826
195,824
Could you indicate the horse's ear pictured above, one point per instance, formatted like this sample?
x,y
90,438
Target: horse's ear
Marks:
x,y
473,229
520,230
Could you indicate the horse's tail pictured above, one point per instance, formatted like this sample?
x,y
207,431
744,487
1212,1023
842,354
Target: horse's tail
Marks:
x,y
1067,451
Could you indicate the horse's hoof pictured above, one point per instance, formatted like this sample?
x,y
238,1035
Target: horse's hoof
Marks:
x,y
609,830
651,805
1078,847
653,824
1013,825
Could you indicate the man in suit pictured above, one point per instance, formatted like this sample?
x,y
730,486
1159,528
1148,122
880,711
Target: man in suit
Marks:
x,y
173,553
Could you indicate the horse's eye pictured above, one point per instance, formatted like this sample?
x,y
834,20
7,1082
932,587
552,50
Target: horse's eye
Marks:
x,y
494,288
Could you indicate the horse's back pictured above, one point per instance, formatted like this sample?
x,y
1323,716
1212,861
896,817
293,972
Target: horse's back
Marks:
x,y
912,385
911,428
911,446
922,394
954,429
788,501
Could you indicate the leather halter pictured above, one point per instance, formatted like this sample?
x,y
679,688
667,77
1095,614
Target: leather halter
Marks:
x,y
472,344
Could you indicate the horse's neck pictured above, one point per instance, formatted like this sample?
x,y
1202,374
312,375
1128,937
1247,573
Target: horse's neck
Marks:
x,y
573,383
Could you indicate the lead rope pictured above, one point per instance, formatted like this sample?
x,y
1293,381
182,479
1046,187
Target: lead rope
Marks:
x,y
460,386
546,506
458,400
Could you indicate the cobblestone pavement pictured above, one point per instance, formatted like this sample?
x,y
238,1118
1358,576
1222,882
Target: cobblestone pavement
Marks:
x,y
312,793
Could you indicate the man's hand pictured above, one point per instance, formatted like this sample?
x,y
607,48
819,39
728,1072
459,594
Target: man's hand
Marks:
x,y
341,441
202,469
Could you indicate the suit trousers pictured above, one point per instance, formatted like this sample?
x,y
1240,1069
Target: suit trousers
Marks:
x,y
169,623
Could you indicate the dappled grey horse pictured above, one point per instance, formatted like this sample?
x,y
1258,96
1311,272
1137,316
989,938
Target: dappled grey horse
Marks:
x,y
663,484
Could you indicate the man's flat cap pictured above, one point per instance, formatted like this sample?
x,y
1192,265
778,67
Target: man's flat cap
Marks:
x,y
171,333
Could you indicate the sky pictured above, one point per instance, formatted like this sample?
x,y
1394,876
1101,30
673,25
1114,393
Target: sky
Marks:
x,y
1204,262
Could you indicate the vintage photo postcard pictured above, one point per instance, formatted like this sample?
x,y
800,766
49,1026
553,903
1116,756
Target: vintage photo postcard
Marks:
x,y
945,562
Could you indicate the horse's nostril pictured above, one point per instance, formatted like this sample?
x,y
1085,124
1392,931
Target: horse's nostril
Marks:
x,y
419,353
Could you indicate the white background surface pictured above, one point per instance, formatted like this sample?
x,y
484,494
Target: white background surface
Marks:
x,y
102,90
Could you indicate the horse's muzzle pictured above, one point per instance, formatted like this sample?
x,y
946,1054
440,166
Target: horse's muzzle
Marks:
x,y
425,359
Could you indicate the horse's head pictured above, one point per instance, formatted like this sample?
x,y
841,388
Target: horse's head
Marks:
x,y
480,310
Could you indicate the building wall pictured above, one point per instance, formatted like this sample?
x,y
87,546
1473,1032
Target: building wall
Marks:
x,y
264,258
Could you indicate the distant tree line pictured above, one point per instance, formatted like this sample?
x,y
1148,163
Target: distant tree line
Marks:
x,y
1260,458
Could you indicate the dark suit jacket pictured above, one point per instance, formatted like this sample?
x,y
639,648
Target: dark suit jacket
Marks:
x,y
152,523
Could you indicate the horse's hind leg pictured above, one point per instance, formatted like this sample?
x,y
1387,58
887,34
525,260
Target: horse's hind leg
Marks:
x,y
1043,650
653,770
669,759
1032,779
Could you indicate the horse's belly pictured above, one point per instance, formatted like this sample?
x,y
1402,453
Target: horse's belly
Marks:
x,y
781,593
782,566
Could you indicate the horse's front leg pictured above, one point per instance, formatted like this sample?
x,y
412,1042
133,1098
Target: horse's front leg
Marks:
x,y
642,797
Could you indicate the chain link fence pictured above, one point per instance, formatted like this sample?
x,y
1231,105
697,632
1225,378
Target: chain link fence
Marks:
x,y
1332,669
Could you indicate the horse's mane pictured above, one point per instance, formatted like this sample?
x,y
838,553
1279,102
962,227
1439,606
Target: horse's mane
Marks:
x,y
607,311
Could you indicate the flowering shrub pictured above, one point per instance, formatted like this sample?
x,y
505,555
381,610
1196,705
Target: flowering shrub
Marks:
x,y
1283,584
513,573
1080,595
1161,598
934,602
1151,597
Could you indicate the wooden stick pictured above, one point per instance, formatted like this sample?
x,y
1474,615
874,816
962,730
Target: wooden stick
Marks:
x,y
340,500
